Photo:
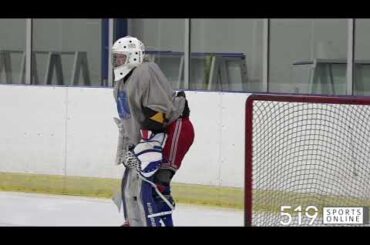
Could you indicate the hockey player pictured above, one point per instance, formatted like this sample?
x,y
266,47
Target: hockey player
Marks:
x,y
155,133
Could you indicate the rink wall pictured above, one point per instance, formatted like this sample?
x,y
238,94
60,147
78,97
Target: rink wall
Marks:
x,y
70,131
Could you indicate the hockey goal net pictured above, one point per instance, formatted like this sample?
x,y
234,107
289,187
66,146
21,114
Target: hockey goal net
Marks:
x,y
304,151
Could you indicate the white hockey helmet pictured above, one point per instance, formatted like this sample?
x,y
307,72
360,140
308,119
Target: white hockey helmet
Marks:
x,y
127,53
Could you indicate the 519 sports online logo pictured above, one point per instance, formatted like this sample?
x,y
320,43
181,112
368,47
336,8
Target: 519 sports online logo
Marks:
x,y
312,215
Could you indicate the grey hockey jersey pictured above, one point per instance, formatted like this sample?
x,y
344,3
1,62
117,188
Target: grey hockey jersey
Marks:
x,y
148,87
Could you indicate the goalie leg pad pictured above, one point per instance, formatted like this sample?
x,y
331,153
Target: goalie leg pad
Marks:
x,y
162,179
163,207
139,190
149,205
139,200
132,205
